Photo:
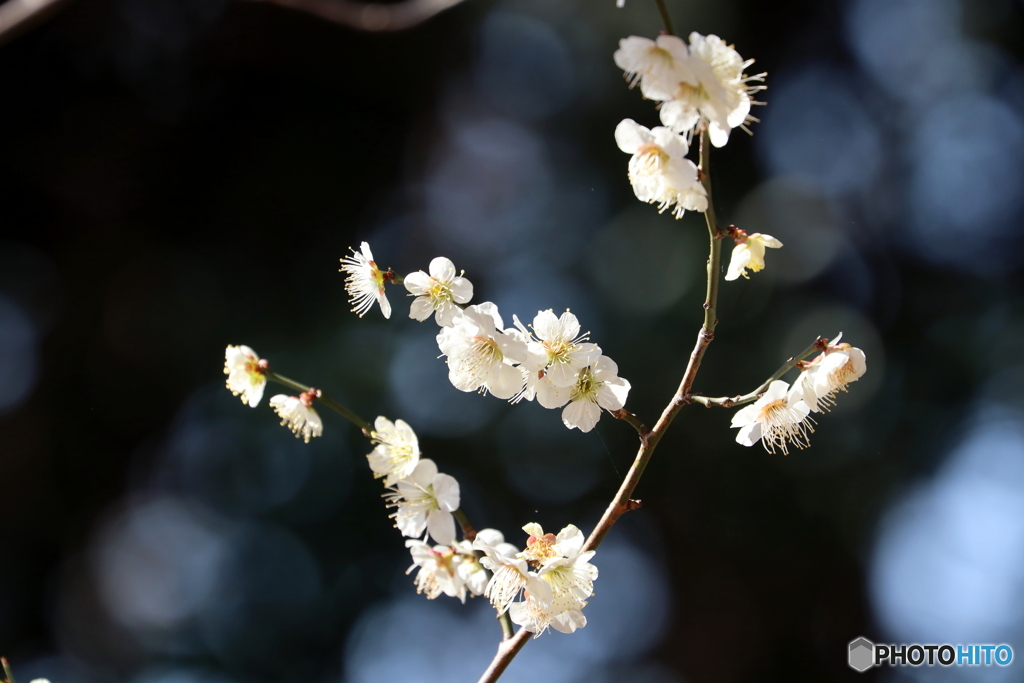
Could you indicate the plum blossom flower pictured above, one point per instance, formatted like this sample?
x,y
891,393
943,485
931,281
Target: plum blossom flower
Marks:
x,y
509,572
828,374
597,386
365,281
657,65
712,90
438,570
749,253
297,413
438,292
247,374
559,351
658,170
775,420
425,500
397,450
480,354
473,574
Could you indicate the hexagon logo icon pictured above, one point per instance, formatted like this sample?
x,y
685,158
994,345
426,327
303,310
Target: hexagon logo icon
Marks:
x,y
862,654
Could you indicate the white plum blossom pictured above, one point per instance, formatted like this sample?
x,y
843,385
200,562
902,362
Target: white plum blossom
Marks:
x,y
658,170
425,500
828,374
365,281
749,253
712,90
438,570
438,292
597,386
775,420
297,413
557,592
559,351
247,375
509,572
473,574
480,354
657,65
396,452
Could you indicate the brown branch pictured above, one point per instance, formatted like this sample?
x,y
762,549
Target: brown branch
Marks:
x,y
369,16
16,16
623,501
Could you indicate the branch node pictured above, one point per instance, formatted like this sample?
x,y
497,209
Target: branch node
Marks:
x,y
634,504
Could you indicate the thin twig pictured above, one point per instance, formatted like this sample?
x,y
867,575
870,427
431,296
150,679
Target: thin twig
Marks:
x,y
730,401
649,439
665,18
17,16
369,16
326,400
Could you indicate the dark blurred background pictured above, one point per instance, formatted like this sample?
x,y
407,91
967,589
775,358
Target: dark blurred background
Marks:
x,y
178,175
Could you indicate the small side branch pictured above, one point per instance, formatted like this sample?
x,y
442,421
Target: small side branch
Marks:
x,y
369,16
820,344
327,401
17,16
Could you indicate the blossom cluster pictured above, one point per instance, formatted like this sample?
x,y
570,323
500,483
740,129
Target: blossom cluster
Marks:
x,y
553,592
553,577
782,415
554,363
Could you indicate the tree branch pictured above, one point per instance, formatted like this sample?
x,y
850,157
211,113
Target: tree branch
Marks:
x,y
649,439
369,16
16,16
820,344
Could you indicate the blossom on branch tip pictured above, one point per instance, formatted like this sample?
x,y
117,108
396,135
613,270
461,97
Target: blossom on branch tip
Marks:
x,y
656,65
425,500
247,374
480,354
828,374
749,253
658,170
597,386
396,452
438,292
775,420
557,351
365,281
711,91
297,413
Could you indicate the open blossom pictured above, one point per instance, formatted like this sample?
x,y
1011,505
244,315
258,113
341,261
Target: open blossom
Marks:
x,y
654,64
712,90
425,500
597,386
438,570
473,574
397,450
480,354
246,375
365,281
775,420
559,351
509,572
749,253
297,413
438,292
658,170
828,374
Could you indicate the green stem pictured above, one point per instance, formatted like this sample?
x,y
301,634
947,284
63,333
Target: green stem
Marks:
x,y
7,670
665,18
326,400
729,401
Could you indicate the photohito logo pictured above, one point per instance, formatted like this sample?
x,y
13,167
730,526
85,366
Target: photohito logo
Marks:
x,y
863,654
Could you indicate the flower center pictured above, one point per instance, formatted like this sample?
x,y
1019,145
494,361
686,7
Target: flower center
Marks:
x,y
693,94
440,294
586,386
648,161
539,549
